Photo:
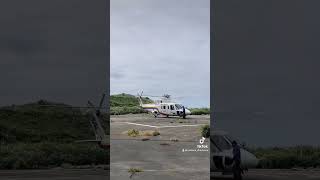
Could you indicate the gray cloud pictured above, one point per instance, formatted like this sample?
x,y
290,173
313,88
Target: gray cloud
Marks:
x,y
117,75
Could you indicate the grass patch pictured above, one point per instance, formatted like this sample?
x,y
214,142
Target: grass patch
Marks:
x,y
156,133
133,133
174,139
205,131
134,171
150,133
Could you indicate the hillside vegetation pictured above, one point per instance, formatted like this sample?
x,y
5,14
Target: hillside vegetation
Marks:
x,y
200,111
129,104
126,104
37,136
288,157
34,123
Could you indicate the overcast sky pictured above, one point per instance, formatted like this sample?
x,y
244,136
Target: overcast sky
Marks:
x,y
161,47
266,70
53,50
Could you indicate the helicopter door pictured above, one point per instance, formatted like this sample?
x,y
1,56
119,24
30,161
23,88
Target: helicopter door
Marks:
x,y
222,153
164,109
172,110
168,110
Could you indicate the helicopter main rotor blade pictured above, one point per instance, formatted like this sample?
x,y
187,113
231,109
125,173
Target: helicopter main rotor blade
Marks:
x,y
102,100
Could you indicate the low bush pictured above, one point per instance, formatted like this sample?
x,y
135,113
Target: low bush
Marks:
x,y
133,171
156,133
205,131
133,132
48,155
200,111
289,157
126,110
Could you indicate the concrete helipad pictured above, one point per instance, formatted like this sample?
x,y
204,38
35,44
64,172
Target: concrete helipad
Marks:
x,y
174,154
276,174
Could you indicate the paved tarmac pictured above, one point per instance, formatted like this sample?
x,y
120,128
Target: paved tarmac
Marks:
x,y
173,155
100,174
276,174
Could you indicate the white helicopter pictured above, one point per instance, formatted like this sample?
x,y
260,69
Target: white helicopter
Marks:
x,y
221,154
165,107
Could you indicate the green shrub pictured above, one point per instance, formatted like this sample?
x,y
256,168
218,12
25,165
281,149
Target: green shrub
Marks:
x,y
156,133
33,136
34,124
133,171
48,154
133,133
126,100
126,110
288,157
200,111
205,131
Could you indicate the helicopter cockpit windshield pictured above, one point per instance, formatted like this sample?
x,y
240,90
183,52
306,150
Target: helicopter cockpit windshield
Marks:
x,y
178,106
221,142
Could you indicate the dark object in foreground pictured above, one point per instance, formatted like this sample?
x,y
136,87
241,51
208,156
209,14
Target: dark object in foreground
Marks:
x,y
237,171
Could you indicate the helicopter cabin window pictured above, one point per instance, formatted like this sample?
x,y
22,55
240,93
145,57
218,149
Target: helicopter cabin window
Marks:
x,y
172,107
